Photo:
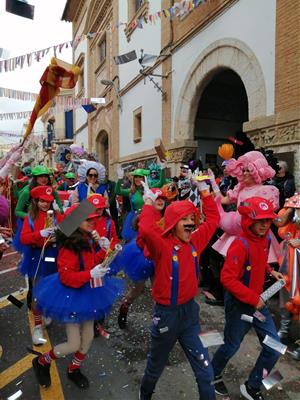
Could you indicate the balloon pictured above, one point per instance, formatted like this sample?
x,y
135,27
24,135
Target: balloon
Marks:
x,y
226,151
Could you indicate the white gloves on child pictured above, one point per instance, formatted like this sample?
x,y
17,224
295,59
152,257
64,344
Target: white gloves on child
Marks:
x,y
120,172
46,232
148,194
98,271
213,182
104,243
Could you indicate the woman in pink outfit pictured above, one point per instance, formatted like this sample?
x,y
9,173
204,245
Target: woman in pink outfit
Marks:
x,y
251,171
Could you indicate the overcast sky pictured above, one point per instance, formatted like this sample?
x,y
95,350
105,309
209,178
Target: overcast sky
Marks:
x,y
21,36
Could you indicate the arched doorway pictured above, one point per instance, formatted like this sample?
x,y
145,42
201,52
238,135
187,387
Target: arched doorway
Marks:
x,y
222,110
102,148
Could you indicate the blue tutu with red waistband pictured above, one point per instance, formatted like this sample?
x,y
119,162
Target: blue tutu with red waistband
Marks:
x,y
75,305
34,264
134,263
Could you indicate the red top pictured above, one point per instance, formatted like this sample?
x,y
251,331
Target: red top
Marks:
x,y
101,228
29,237
239,257
161,251
68,265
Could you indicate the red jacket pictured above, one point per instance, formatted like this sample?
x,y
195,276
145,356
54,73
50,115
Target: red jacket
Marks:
x,y
239,258
101,227
161,251
68,265
139,239
34,238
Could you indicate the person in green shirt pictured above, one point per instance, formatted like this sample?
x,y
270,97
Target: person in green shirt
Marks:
x,y
68,184
135,194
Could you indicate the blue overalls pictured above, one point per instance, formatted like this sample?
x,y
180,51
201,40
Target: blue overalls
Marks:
x,y
178,322
236,329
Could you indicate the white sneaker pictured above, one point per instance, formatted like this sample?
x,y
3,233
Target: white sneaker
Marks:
x,y
38,336
47,321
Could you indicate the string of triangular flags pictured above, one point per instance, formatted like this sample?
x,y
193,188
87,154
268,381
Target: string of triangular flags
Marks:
x,y
178,9
60,104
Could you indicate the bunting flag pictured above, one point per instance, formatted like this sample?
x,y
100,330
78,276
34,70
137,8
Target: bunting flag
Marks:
x,y
17,94
58,74
15,115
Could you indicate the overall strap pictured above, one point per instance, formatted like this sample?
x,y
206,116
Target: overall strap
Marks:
x,y
247,270
82,191
101,189
132,201
30,222
81,264
108,225
175,273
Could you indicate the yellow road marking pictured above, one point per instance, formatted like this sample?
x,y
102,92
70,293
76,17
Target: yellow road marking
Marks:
x,y
18,295
11,373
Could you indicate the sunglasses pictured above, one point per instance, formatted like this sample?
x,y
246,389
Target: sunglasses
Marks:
x,y
93,175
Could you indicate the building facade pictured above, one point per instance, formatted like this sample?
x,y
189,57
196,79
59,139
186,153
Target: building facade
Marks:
x,y
222,67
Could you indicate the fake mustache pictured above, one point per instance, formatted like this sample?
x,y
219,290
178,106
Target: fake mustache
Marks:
x,y
189,226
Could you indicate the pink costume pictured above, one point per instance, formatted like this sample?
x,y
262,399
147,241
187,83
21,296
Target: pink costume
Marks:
x,y
231,221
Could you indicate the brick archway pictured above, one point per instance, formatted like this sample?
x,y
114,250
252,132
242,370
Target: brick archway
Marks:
x,y
222,54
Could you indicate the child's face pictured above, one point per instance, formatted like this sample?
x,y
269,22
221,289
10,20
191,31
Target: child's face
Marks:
x,y
261,227
159,204
99,211
184,228
44,205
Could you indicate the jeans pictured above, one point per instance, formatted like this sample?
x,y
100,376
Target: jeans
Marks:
x,y
234,333
172,323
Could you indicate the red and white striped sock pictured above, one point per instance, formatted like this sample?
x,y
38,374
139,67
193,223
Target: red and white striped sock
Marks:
x,y
46,358
37,317
76,362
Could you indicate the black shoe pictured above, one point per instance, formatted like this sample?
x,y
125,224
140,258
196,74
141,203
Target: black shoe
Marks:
x,y
220,387
79,379
250,393
42,372
122,317
143,396
96,329
214,302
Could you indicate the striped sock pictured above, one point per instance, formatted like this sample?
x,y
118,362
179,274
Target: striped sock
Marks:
x,y
37,318
46,358
77,360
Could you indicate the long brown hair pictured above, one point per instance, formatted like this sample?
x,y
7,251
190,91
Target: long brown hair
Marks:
x,y
77,242
34,209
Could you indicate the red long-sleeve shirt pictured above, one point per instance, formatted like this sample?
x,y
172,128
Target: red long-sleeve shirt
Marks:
x,y
239,258
68,265
161,251
101,228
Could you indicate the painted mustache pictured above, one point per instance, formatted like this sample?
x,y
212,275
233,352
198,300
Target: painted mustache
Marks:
x,y
189,226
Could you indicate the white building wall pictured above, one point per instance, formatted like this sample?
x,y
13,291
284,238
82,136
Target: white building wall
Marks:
x,y
252,22
148,39
147,97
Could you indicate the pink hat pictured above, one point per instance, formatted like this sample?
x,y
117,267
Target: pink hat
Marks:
x,y
257,165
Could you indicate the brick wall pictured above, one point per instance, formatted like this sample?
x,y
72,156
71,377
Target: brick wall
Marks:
x,y
287,65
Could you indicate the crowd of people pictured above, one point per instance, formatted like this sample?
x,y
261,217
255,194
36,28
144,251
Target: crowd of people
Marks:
x,y
219,228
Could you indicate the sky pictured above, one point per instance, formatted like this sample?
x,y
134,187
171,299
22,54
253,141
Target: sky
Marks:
x,y
21,36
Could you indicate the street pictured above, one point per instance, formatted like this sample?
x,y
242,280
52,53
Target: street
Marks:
x,y
115,366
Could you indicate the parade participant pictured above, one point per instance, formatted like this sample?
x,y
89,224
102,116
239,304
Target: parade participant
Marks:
x,y
39,257
289,230
135,193
90,174
251,170
69,182
74,301
157,177
243,277
175,254
136,260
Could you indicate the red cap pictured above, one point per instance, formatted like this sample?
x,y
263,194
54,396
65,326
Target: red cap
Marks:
x,y
257,208
160,193
73,207
97,200
43,193
176,211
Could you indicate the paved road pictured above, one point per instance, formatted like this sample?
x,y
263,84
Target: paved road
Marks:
x,y
115,366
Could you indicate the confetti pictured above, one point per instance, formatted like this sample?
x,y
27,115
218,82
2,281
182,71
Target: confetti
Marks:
x,y
272,380
16,395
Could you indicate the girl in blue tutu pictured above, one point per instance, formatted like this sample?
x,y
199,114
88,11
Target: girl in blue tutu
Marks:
x,y
136,260
39,255
71,298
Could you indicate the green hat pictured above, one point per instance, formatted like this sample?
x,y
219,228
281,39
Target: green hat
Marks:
x,y
140,172
26,171
40,170
70,175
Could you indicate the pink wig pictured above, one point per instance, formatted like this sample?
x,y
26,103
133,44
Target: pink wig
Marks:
x,y
257,165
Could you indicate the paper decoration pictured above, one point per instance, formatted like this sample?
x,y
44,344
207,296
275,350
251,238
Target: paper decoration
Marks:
x,y
17,94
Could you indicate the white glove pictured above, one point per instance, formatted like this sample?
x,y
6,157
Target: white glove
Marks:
x,y
120,173
148,194
162,163
95,235
46,232
98,271
104,243
212,179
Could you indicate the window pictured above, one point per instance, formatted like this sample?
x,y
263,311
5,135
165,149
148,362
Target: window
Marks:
x,y
137,125
102,50
136,9
80,81
69,124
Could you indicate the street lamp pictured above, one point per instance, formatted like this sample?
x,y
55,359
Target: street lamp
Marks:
x,y
108,82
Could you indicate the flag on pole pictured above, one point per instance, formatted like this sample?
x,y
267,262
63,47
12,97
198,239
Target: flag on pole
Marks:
x,y
58,74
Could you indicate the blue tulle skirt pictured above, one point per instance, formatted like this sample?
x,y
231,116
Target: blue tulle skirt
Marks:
x,y
31,258
128,233
75,305
135,264
16,240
